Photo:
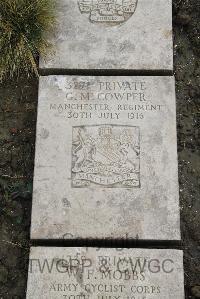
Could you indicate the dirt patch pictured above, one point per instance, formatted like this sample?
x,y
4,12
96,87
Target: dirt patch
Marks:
x,y
17,141
18,107
187,72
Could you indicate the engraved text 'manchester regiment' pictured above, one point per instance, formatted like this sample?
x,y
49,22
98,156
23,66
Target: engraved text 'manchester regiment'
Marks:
x,y
111,11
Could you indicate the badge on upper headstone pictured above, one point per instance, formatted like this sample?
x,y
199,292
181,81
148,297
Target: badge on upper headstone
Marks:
x,y
112,35
106,159
110,11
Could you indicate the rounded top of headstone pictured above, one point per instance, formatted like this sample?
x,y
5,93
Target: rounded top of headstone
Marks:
x,y
110,12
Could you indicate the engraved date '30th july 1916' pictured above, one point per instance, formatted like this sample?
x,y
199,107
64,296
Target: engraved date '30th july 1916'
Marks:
x,y
108,11
106,156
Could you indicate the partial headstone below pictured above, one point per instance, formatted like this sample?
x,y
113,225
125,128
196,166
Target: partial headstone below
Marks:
x,y
106,159
93,273
114,35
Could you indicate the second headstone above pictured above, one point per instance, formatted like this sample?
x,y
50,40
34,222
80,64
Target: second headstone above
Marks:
x,y
112,35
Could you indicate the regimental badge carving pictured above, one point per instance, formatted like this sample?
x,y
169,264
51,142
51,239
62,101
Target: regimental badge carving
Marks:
x,y
108,11
106,156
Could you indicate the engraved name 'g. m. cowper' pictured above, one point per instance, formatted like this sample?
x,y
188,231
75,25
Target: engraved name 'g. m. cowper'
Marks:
x,y
106,156
108,11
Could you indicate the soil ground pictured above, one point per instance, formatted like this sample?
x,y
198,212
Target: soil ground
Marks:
x,y
18,107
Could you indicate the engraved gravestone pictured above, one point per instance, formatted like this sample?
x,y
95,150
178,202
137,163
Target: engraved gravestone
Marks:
x,y
93,273
112,34
106,159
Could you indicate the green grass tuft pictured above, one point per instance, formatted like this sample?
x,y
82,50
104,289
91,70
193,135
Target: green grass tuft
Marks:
x,y
23,24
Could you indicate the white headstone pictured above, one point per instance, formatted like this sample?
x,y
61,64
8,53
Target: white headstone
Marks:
x,y
106,159
110,34
93,273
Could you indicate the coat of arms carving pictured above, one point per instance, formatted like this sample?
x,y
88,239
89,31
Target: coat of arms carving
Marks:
x,y
108,11
106,156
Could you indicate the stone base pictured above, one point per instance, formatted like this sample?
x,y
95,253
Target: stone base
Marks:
x,y
93,273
